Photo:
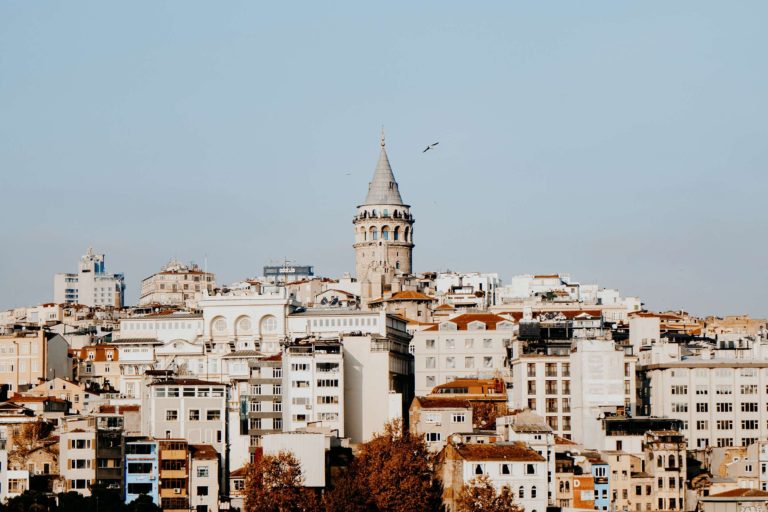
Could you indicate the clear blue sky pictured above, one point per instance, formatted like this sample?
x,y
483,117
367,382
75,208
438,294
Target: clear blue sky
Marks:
x,y
622,142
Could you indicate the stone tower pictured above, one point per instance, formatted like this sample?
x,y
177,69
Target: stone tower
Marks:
x,y
383,235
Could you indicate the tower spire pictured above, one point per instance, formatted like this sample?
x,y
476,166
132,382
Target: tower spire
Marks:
x,y
383,187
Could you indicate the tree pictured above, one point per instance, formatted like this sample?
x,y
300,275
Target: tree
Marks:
x,y
349,493
275,484
142,504
396,470
479,495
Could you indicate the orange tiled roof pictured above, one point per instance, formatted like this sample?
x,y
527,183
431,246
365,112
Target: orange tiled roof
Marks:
x,y
442,403
741,493
516,451
203,452
489,319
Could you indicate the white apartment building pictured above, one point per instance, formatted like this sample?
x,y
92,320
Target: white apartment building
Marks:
x,y
77,455
177,285
203,478
571,383
472,345
720,399
192,409
472,289
313,385
91,285
309,448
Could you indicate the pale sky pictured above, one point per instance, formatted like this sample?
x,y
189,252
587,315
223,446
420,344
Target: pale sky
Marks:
x,y
621,142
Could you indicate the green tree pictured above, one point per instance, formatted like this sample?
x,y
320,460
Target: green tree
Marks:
x,y
479,495
142,504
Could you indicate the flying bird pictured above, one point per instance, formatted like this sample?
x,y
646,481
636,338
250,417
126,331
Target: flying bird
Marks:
x,y
431,146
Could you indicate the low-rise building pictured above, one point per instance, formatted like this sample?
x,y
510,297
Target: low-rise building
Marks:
x,y
506,464
142,469
177,284
203,478
436,418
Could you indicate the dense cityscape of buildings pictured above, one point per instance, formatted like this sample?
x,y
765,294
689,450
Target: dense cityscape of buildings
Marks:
x,y
576,397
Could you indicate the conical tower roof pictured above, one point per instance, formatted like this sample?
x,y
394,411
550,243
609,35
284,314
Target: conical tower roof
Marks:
x,y
383,187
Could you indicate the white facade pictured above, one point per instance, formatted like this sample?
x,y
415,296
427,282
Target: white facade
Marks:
x,y
91,285
721,402
308,448
468,287
598,376
466,347
177,284
77,456
313,386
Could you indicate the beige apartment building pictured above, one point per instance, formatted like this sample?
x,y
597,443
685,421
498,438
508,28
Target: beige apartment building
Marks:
x,y
176,285
28,358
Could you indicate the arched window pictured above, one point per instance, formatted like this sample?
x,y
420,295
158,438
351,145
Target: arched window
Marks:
x,y
386,213
397,265
365,235
533,491
385,233
373,213
671,461
521,492
268,324
659,461
406,237
374,234
396,234
680,461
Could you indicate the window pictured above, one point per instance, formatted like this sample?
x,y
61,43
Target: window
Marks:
x,y
450,362
469,343
487,362
530,469
702,407
749,389
430,362
679,390
749,424
202,490
702,425
724,441
450,344
194,415
433,437
505,469
487,343
749,406
724,407
458,417
299,367
723,389
327,383
533,491
202,471
679,407
521,492
171,415
430,344
478,469
469,362
702,390
213,415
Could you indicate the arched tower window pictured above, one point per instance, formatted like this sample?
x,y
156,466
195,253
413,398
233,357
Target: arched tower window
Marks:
x,y
365,234
374,233
397,265
385,233
406,237
396,234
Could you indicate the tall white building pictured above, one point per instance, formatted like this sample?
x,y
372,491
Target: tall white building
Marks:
x,y
91,285
313,385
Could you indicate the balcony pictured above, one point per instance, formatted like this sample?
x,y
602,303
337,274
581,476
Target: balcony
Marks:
x,y
173,473
171,493
173,454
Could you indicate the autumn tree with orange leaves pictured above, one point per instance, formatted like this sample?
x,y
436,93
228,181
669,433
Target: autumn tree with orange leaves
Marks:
x,y
480,495
393,472
274,483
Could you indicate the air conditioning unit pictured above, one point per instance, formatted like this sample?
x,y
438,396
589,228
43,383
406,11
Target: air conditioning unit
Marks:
x,y
177,490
